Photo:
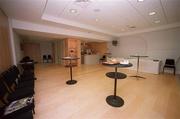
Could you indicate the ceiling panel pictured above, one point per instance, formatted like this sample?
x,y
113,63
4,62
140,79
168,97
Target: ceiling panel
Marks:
x,y
56,7
114,15
30,10
172,10
144,8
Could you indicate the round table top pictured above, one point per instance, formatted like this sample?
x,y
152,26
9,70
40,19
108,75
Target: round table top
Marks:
x,y
70,58
117,65
117,75
138,56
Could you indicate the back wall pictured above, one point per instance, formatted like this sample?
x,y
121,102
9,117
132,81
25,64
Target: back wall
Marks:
x,y
157,45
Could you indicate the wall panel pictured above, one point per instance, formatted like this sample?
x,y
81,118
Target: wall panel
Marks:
x,y
5,52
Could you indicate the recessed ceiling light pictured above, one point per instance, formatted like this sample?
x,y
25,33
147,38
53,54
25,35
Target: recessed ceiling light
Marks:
x,y
157,21
82,1
140,0
122,29
96,20
97,10
73,10
131,26
152,13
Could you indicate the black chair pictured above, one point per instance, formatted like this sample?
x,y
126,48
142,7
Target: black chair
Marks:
x,y
49,59
18,114
170,63
23,115
27,66
25,59
103,58
21,81
45,59
4,102
14,91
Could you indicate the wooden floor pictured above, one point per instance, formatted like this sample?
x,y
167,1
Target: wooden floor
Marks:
x,y
156,97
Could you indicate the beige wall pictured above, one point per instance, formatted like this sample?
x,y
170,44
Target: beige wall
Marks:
x,y
99,47
5,53
32,50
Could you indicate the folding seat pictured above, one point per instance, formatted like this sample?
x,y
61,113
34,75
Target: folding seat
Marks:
x,y
28,67
15,92
9,110
24,115
29,82
22,77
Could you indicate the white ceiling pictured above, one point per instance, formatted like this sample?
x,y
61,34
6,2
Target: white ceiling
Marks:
x,y
114,17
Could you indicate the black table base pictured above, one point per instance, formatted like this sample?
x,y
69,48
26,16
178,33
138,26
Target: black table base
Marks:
x,y
137,70
115,101
71,82
137,76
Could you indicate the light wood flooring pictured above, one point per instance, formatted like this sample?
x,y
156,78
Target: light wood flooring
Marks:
x,y
156,97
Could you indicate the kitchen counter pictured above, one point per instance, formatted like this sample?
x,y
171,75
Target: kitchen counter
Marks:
x,y
91,59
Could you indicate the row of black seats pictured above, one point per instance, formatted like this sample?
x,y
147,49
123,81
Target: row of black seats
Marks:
x,y
17,92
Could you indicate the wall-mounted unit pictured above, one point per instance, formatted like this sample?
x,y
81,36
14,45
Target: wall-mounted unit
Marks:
x,y
114,42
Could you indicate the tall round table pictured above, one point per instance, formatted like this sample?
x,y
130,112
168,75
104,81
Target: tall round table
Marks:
x,y
137,70
71,81
115,100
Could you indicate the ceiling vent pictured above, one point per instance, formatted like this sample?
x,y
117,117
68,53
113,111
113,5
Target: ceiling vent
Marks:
x,y
82,3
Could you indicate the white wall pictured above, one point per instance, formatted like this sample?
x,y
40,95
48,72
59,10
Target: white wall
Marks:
x,y
30,26
18,52
157,45
59,51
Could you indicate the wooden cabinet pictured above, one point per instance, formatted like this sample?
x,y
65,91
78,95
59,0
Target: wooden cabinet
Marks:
x,y
73,48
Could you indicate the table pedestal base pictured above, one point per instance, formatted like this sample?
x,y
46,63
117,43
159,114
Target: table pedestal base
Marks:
x,y
138,76
71,82
115,101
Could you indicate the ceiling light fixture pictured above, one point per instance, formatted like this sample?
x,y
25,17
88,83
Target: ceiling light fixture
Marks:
x,y
122,29
97,10
82,0
96,20
152,13
140,0
131,26
157,21
73,10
